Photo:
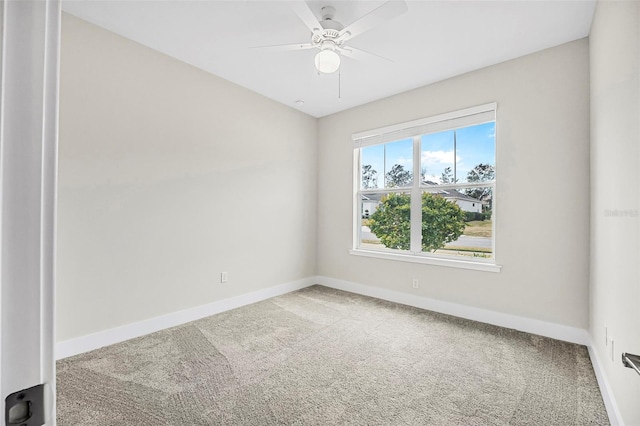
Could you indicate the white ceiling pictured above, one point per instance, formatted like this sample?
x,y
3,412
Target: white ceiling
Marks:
x,y
433,41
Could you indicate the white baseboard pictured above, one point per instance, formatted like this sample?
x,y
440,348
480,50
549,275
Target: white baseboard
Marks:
x,y
529,325
542,328
555,331
605,389
93,341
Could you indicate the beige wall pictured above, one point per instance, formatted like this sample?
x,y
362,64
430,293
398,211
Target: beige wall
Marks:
x,y
542,195
168,176
615,182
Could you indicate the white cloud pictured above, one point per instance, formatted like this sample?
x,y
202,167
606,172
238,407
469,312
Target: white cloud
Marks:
x,y
404,161
438,157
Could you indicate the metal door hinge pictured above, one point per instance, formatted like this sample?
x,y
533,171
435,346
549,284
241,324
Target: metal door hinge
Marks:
x,y
26,407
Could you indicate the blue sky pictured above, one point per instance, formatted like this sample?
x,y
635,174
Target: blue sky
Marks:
x,y
474,145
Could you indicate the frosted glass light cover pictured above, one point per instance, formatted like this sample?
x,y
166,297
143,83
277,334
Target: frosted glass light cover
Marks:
x,y
327,61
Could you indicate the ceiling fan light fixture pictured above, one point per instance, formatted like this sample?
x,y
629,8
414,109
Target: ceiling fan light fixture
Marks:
x,y
327,61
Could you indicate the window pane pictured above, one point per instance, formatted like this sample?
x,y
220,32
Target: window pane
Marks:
x,y
437,156
398,171
476,153
372,167
456,223
386,221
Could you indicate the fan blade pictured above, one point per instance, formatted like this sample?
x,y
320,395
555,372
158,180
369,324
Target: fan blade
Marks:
x,y
387,11
361,55
285,47
305,14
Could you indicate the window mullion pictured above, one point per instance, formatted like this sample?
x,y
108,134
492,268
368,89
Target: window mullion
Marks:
x,y
357,206
493,218
416,199
455,158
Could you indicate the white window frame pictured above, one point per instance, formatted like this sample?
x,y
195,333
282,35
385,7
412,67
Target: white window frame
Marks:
x,y
415,129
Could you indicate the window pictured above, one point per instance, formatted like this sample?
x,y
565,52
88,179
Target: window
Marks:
x,y
425,190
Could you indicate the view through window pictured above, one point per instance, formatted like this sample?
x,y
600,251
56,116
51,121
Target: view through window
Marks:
x,y
432,193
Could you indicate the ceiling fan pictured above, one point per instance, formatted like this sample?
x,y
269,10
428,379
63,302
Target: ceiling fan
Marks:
x,y
330,36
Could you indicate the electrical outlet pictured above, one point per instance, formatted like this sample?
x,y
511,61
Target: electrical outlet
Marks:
x,y
224,277
416,283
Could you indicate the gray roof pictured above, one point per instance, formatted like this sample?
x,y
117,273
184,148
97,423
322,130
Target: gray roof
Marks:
x,y
445,193
453,193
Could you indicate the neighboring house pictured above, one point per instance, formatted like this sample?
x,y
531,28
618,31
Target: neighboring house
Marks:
x,y
464,201
370,202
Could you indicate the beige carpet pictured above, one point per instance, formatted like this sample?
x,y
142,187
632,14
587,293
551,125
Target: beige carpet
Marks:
x,y
320,356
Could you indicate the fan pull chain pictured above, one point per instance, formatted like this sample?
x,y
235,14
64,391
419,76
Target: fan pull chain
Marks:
x,y
339,85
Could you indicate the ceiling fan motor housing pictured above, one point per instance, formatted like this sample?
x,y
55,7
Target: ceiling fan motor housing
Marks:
x,y
328,45
330,28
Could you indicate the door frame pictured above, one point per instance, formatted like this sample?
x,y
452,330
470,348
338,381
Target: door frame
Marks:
x,y
29,78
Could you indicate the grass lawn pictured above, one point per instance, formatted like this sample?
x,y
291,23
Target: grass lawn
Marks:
x,y
478,228
466,249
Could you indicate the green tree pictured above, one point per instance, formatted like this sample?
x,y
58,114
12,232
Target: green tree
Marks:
x,y
391,223
447,176
397,176
369,177
481,173
442,221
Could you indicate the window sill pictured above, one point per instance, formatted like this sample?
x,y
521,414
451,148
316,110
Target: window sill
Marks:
x,y
454,263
